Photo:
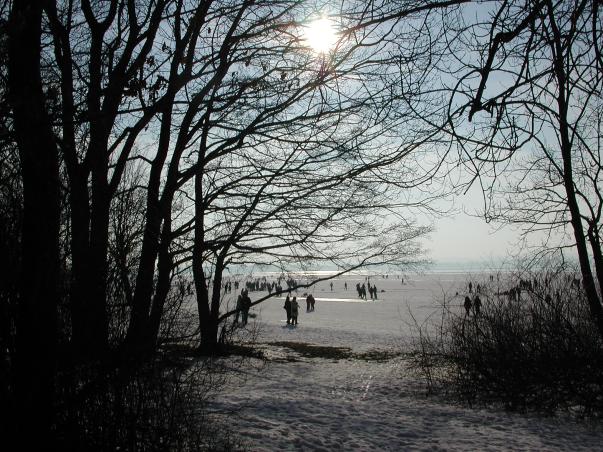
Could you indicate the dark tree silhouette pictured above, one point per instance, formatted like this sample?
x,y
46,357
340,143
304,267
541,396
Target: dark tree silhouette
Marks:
x,y
36,320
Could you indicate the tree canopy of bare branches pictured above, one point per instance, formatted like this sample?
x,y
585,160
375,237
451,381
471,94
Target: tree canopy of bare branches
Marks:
x,y
157,136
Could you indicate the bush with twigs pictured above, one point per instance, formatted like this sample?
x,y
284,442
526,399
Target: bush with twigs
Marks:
x,y
533,345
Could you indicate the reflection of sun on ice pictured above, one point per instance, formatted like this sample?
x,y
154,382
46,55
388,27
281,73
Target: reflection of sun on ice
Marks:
x,y
320,35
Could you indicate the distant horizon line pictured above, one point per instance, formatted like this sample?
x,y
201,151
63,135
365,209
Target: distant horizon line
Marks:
x,y
473,265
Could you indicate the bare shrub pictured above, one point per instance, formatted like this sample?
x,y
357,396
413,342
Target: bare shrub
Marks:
x,y
159,406
532,346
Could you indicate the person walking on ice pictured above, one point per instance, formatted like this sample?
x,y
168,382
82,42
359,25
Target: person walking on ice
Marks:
x,y
294,311
239,307
467,305
287,308
245,304
310,303
477,305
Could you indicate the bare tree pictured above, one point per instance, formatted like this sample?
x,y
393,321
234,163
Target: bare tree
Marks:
x,y
298,161
99,53
531,87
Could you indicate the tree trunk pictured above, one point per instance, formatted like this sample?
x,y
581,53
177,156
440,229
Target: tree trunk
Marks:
x,y
139,318
208,325
164,268
594,301
99,246
36,335
595,244
80,263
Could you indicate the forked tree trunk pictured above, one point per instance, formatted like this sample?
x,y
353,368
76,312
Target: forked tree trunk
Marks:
x,y
138,328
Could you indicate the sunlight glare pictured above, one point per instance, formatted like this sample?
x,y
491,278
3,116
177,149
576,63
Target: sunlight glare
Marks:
x,y
320,35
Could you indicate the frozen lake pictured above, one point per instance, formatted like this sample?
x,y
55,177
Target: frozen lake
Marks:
x,y
381,323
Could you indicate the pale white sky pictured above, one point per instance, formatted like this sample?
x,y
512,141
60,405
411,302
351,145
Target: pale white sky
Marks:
x,y
466,238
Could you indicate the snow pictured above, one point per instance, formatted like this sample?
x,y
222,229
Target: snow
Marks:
x,y
294,402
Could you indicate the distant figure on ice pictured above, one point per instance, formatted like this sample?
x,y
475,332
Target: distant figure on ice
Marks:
x,y
308,303
467,305
294,311
363,291
470,287
345,284
331,286
477,305
246,304
287,308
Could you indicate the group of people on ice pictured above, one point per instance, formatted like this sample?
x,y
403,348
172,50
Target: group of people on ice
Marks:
x,y
476,304
291,307
361,289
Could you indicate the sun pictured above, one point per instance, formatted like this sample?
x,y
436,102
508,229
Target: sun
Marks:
x,y
320,35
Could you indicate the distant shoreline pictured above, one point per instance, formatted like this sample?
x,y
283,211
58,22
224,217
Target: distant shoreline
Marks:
x,y
447,267
371,273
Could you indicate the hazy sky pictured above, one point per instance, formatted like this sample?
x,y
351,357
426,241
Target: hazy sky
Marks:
x,y
464,237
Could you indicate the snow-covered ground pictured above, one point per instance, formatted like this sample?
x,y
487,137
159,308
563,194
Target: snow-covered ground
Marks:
x,y
309,403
